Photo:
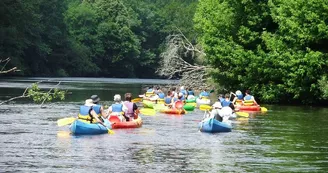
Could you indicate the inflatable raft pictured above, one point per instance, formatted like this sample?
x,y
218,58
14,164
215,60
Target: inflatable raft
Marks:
x,y
128,124
83,128
212,125
250,108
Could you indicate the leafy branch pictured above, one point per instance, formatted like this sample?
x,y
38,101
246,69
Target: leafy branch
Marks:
x,y
39,96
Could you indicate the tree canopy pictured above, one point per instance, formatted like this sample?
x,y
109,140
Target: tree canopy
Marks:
x,y
275,48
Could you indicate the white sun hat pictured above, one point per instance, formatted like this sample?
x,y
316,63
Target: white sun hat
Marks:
x,y
217,105
88,102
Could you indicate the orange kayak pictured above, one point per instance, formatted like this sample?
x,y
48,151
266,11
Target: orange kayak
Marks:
x,y
123,125
173,111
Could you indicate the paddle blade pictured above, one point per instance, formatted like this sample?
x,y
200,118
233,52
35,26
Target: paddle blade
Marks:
x,y
264,109
65,121
242,114
205,107
111,132
136,100
159,107
147,111
178,104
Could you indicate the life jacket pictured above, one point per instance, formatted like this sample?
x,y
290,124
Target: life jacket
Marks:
x,y
183,98
225,103
240,97
149,93
191,93
160,101
161,95
248,97
239,102
204,94
184,92
248,101
130,111
85,116
168,100
221,99
117,107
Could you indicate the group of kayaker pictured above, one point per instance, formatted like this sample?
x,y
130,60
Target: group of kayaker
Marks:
x,y
93,112
173,95
237,101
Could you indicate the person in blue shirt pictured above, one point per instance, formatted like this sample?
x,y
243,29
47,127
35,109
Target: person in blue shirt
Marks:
x,y
92,111
168,99
204,94
183,91
118,108
238,98
249,98
191,94
220,99
227,103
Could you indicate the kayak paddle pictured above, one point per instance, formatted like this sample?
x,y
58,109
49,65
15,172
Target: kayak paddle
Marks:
x,y
110,131
264,109
65,121
135,100
242,114
205,107
147,111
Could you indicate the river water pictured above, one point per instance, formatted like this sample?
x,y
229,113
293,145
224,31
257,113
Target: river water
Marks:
x,y
285,139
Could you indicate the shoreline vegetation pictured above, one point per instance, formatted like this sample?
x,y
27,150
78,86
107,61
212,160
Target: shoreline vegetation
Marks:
x,y
275,48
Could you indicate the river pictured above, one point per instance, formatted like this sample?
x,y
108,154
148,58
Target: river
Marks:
x,y
285,139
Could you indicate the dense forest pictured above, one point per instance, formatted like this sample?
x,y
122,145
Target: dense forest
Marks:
x,y
276,48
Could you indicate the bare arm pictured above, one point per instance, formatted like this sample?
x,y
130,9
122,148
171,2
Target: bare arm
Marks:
x,y
95,116
254,100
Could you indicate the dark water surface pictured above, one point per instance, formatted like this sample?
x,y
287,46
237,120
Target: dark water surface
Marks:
x,y
285,139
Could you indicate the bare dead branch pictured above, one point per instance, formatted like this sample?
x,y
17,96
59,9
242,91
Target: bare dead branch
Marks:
x,y
10,70
18,97
6,61
173,63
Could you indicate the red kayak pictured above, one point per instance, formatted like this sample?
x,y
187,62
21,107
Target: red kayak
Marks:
x,y
123,125
250,108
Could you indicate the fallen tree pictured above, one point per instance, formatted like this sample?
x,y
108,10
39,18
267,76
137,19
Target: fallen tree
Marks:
x,y
33,91
183,60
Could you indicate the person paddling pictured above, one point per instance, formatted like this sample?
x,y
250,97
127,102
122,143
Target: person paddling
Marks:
x,y
91,113
249,99
176,100
204,94
132,108
191,94
227,103
239,98
118,108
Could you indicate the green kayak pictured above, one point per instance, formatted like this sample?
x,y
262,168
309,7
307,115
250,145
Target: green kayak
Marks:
x,y
189,107
148,104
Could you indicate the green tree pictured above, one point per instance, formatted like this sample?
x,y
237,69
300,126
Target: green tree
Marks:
x,y
271,47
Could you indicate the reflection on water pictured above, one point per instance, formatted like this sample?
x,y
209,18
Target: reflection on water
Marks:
x,y
285,139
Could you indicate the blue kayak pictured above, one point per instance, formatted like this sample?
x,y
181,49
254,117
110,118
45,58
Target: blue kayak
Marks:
x,y
82,128
212,126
